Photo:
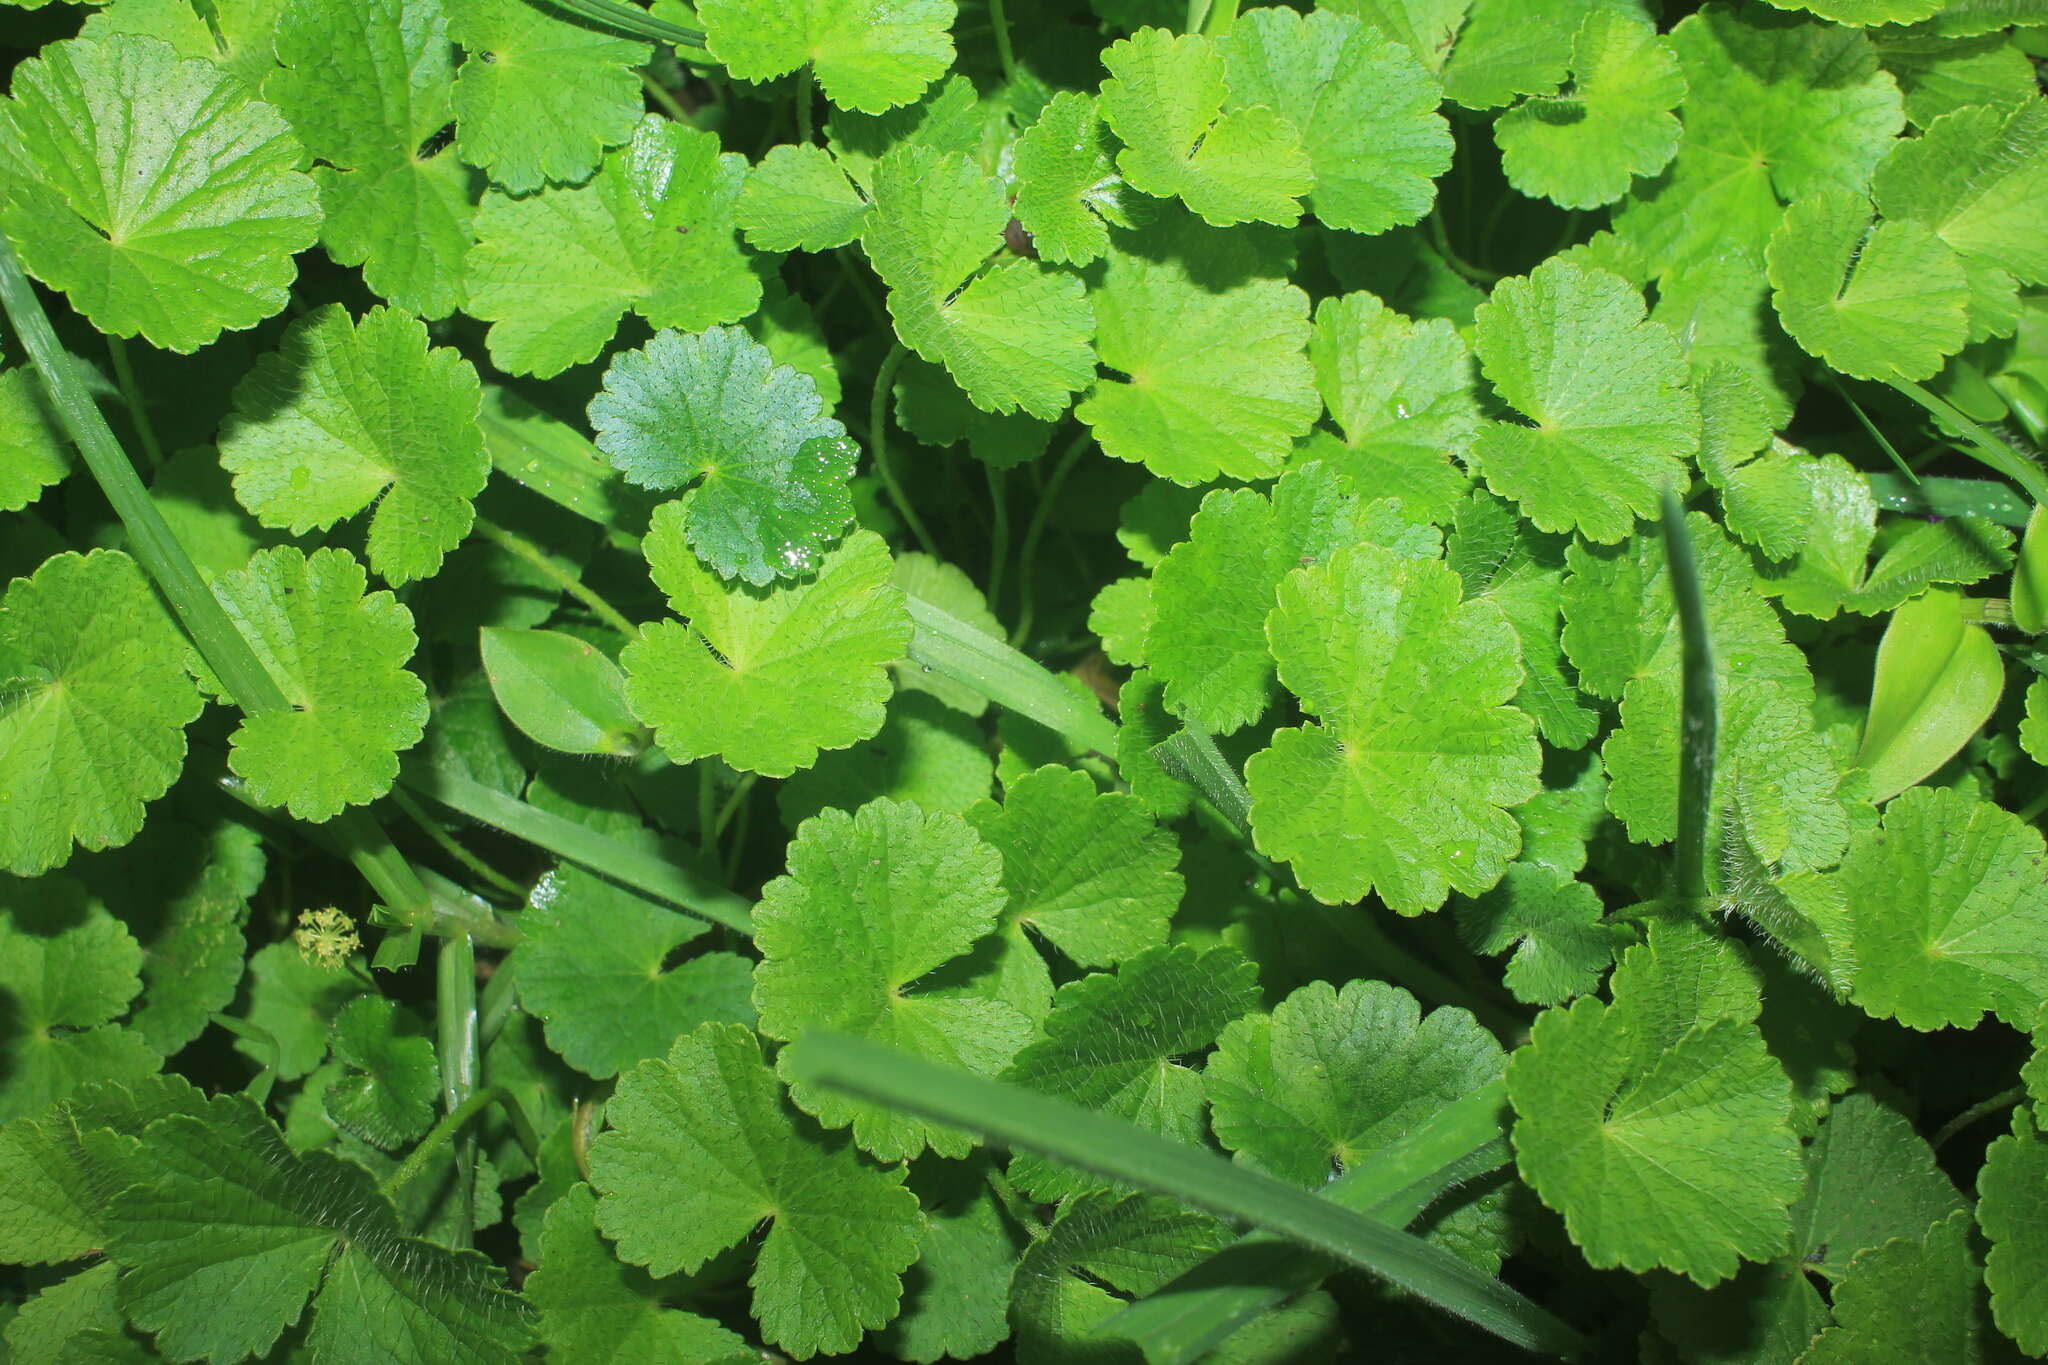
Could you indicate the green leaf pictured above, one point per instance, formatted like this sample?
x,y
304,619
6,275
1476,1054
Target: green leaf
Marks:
x,y
1556,926
540,99
1013,335
176,238
1581,149
1331,1077
1938,679
67,970
94,701
1864,13
599,970
653,233
237,37
32,454
340,657
1505,48
1877,302
1972,180
1946,910
925,753
1757,84
1364,106
348,415
1401,392
1658,1125
592,1307
2012,1208
387,1094
765,678
1916,1300
1939,75
869,55
956,1299
1214,379
873,902
366,87
771,464
702,1149
1112,1042
233,1231
1404,787
294,999
2030,576
1614,421
1087,872
1869,1178
1068,191
800,199
1165,99
1131,1242
560,691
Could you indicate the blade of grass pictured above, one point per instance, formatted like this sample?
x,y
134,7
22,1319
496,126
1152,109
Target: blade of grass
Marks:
x,y
631,19
1979,442
1192,756
945,644
674,879
455,1049
1194,1313
1932,497
1020,1118
155,547
1697,733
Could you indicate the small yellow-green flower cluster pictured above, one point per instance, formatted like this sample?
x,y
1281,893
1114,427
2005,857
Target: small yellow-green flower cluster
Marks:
x,y
327,937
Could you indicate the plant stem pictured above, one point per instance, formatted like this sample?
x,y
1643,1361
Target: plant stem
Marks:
x,y
1987,448
2004,1099
1041,517
151,541
1004,56
733,801
1222,16
999,535
803,104
498,1001
453,1123
1440,238
456,1048
517,545
1898,460
850,265
450,845
1697,733
707,810
131,398
657,92
878,444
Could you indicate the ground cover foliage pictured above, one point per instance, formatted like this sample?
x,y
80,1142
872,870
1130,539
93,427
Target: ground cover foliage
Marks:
x,y
1113,681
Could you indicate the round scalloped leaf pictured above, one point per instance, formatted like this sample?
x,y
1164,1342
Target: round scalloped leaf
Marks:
x,y
653,232
1879,302
1675,1155
1947,911
340,657
32,453
348,415
1331,1077
1364,106
799,198
94,701
1582,149
1164,98
703,1148
1404,787
2012,1208
869,55
773,463
67,970
540,98
765,679
366,87
1866,13
153,190
1210,379
1915,1300
1013,336
596,970
387,1093
1614,421
1068,189
873,902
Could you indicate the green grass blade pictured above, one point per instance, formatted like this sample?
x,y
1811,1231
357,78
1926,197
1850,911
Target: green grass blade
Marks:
x,y
1979,442
1697,734
1191,1315
945,644
674,879
1951,498
1192,756
631,19
1020,1118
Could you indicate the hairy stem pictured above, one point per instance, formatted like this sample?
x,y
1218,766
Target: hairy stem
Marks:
x,y
1004,56
517,545
804,96
131,398
878,445
1034,532
999,535
450,845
